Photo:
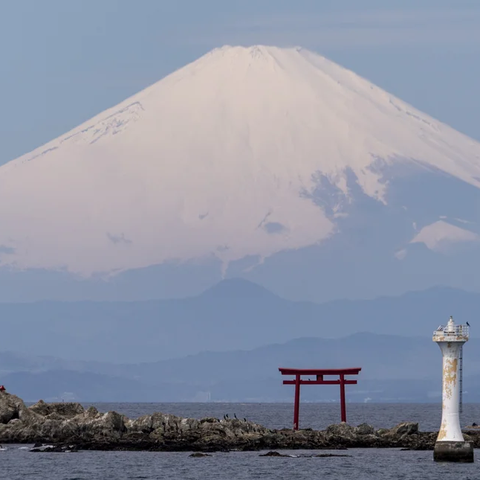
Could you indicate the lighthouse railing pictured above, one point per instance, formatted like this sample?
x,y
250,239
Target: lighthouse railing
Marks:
x,y
445,331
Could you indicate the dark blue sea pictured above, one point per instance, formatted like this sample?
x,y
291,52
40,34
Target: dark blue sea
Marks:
x,y
18,463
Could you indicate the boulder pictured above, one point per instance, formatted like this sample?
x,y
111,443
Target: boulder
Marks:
x,y
59,410
11,407
405,428
341,434
91,412
364,429
273,454
343,430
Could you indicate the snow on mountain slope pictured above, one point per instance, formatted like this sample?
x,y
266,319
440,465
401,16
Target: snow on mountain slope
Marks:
x,y
439,235
219,159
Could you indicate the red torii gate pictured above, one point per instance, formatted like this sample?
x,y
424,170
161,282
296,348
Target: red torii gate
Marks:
x,y
319,373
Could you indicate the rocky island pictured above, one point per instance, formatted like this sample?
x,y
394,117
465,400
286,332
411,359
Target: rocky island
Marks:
x,y
70,424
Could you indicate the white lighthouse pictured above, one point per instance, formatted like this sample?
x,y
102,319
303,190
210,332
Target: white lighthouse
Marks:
x,y
450,445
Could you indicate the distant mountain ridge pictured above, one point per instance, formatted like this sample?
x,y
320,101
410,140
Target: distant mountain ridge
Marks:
x,y
233,315
394,369
227,345
238,288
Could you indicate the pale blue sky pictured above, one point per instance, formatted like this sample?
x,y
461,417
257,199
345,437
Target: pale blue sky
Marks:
x,y
63,61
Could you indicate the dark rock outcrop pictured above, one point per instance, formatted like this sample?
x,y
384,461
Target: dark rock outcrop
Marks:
x,y
54,448
364,429
273,454
69,426
11,408
405,428
57,410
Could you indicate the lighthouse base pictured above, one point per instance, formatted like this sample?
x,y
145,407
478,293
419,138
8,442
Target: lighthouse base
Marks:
x,y
461,452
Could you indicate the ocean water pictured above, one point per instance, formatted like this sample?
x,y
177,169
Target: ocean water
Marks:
x,y
18,463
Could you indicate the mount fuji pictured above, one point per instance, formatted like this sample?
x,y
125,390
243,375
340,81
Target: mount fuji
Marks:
x,y
276,165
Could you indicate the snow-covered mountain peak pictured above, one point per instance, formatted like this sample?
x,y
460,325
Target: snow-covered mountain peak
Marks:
x,y
246,152
253,51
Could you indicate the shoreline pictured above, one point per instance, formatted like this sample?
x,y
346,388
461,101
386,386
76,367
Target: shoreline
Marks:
x,y
65,425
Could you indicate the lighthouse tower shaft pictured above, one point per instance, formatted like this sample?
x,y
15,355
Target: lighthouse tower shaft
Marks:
x,y
450,429
450,444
